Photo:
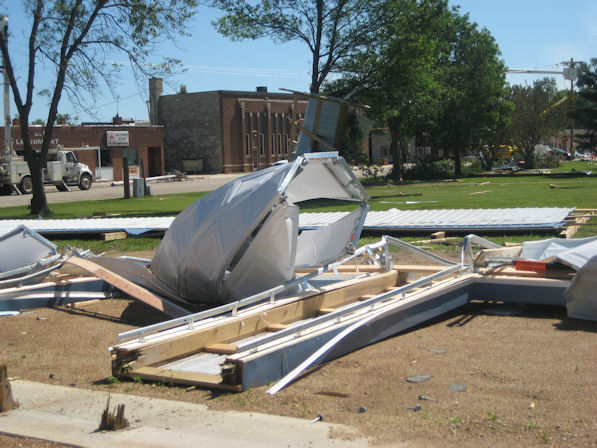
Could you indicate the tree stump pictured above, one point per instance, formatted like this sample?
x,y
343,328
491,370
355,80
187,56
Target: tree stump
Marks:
x,y
113,421
7,402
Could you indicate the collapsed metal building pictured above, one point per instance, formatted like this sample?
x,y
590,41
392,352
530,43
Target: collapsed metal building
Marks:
x,y
257,299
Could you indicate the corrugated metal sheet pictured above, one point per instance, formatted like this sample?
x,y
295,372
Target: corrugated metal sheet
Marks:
x,y
133,226
544,218
464,220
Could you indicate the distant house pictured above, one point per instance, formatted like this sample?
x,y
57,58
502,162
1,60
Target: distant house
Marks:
x,y
225,131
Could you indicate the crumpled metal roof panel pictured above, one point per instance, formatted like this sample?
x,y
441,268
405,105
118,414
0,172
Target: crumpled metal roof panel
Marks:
x,y
209,252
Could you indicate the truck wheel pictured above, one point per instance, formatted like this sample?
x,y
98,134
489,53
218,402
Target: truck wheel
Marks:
x,y
85,183
26,185
61,187
5,190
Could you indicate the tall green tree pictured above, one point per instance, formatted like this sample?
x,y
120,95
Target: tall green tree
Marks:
x,y
584,107
332,30
473,89
72,39
536,116
397,74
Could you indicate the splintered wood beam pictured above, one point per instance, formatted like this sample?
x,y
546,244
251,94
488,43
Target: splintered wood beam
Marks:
x,y
233,329
573,227
7,402
183,377
128,287
224,349
111,236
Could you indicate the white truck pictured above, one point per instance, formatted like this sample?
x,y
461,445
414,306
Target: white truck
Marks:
x,y
62,169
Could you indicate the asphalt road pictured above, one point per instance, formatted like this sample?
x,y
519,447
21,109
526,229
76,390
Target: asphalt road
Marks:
x,y
105,190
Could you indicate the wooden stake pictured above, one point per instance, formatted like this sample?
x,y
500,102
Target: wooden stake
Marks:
x,y
7,402
113,421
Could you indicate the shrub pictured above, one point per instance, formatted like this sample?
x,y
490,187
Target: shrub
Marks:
x,y
548,160
428,168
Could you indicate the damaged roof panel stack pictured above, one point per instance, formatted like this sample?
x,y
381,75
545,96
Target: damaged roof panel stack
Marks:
x,y
244,238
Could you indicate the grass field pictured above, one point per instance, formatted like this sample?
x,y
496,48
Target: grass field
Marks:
x,y
576,191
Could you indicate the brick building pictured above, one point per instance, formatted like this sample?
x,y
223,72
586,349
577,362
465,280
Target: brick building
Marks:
x,y
225,131
138,142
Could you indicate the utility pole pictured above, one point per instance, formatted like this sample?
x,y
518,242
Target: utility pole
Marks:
x,y
571,73
7,133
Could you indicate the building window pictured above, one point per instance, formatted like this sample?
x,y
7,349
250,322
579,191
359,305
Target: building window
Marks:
x,y
248,144
280,144
285,143
262,144
132,155
273,144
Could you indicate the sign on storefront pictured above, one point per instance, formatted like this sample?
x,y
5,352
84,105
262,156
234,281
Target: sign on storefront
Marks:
x,y
117,138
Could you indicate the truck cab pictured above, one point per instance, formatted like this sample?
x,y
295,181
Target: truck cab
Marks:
x,y
62,169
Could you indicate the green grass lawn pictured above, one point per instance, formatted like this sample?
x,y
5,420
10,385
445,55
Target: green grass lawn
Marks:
x,y
164,205
488,192
477,192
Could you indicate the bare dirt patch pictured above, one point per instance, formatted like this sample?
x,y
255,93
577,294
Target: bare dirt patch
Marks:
x,y
530,379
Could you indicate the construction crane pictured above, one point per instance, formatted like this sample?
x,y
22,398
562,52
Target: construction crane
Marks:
x,y
570,73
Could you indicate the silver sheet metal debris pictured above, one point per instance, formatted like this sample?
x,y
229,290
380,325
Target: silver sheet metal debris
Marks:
x,y
548,219
132,226
287,299
455,220
348,308
380,301
26,256
250,229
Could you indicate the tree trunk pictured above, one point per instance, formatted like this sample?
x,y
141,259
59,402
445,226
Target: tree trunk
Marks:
x,y
396,151
457,162
39,202
315,81
403,146
529,158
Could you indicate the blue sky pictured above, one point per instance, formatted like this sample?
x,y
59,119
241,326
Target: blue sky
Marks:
x,y
531,34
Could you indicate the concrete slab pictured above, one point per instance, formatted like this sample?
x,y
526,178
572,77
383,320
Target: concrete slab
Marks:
x,y
71,416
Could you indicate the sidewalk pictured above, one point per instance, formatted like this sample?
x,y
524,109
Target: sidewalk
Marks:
x,y
72,415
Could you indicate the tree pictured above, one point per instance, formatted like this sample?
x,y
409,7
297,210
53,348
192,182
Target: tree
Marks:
x,y
534,118
351,141
494,136
74,37
473,90
584,108
332,30
431,74
396,74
